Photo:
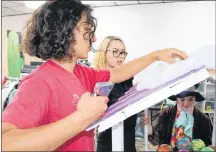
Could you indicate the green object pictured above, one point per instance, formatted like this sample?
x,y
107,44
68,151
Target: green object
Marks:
x,y
21,63
14,62
207,149
197,144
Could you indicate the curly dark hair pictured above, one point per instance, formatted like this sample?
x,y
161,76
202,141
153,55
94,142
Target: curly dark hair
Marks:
x,y
49,33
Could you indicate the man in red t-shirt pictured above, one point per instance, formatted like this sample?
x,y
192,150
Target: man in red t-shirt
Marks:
x,y
53,106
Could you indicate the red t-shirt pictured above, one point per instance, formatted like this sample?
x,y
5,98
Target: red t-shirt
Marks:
x,y
51,93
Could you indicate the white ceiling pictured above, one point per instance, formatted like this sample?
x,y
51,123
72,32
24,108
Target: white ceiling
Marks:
x,y
14,8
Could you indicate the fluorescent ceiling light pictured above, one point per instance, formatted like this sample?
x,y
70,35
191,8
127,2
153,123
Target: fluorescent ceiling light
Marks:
x,y
95,2
33,4
36,4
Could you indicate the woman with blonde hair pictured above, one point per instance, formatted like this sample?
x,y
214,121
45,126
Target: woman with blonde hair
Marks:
x,y
111,54
111,48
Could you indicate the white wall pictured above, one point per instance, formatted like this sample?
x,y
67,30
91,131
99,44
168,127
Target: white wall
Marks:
x,y
183,25
15,23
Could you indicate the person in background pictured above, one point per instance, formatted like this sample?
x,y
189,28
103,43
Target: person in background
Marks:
x,y
185,120
112,54
53,105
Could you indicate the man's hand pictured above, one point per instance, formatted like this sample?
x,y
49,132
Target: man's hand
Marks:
x,y
169,55
92,107
123,73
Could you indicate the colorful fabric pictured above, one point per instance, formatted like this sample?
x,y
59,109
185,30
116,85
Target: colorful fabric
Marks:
x,y
182,127
186,120
189,109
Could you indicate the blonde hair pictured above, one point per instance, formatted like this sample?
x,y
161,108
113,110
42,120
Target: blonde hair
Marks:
x,y
99,61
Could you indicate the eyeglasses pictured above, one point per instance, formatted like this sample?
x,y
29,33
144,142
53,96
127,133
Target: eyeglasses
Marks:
x,y
117,53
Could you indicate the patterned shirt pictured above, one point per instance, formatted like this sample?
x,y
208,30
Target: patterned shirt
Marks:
x,y
177,132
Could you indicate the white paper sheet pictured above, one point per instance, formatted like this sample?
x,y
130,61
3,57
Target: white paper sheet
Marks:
x,y
165,72
205,55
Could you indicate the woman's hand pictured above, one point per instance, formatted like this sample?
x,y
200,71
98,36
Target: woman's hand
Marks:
x,y
169,55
